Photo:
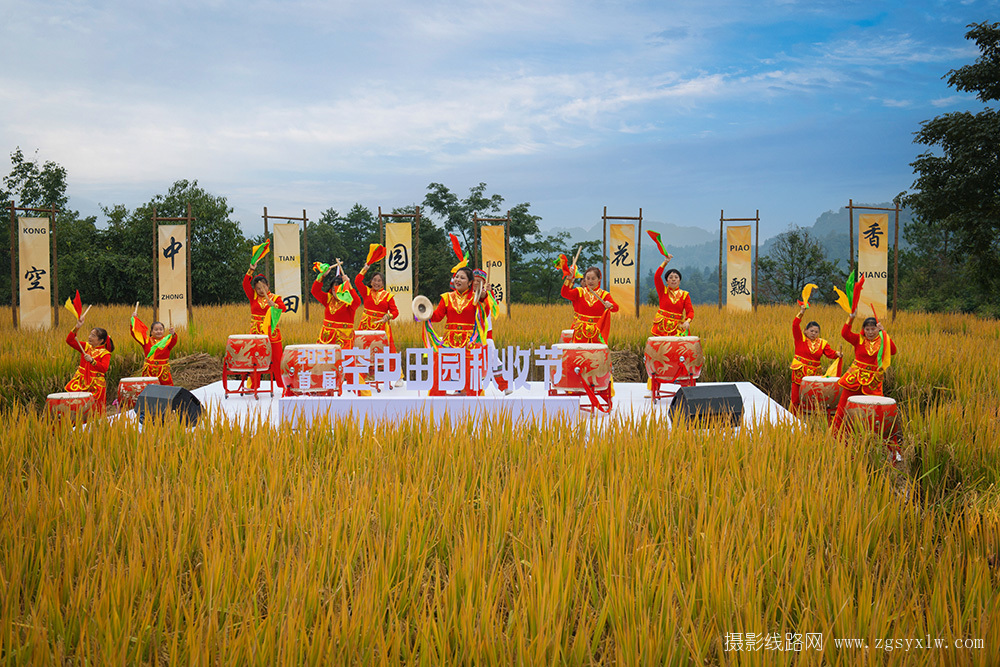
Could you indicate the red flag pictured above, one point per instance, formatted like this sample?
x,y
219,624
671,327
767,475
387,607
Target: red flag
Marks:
x,y
75,306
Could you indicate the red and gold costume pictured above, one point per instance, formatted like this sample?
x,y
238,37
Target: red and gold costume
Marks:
x,y
89,376
338,316
259,307
158,364
865,375
808,355
675,308
460,310
592,323
377,304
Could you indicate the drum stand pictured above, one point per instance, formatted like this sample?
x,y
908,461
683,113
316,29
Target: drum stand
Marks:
x,y
594,395
656,381
255,375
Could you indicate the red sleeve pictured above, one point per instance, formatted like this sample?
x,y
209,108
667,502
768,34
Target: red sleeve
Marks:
x,y
797,329
892,346
359,282
173,341
247,288
72,341
355,299
102,363
614,306
658,279
688,306
569,292
317,291
829,351
441,311
848,335
278,302
393,308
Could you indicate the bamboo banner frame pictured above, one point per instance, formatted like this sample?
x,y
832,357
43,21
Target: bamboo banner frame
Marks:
x,y
895,245
756,255
496,256
638,256
304,258
51,211
187,220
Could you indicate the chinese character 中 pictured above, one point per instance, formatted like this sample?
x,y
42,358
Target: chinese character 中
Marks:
x,y
171,250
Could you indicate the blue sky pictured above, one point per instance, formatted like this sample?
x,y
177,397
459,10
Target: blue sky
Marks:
x,y
682,108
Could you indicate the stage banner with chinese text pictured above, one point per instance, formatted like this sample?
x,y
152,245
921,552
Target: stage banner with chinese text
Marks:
x,y
172,250
873,262
36,287
621,267
494,242
739,268
288,269
399,267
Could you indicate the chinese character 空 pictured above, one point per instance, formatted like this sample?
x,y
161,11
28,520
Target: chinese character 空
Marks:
x,y
398,259
171,250
34,276
621,257
739,286
872,234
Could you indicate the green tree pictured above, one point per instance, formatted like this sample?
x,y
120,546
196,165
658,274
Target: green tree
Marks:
x,y
957,193
77,241
795,260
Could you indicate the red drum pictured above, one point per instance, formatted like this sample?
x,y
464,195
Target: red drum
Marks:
x,y
876,413
820,394
246,353
674,359
566,336
592,361
375,340
313,370
73,406
129,390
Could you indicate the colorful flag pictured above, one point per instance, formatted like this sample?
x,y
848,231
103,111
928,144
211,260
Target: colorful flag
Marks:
x,y
139,330
158,345
834,369
375,253
320,267
463,258
75,306
842,300
858,286
657,240
259,251
273,315
806,293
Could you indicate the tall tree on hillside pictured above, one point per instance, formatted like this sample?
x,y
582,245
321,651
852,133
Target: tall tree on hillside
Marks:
x,y
795,260
957,191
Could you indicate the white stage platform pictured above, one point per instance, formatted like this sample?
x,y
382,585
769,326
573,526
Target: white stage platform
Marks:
x,y
631,402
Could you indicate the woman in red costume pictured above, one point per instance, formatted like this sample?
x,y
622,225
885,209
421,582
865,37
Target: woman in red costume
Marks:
x,y
591,305
809,352
338,316
95,358
156,364
261,300
380,306
676,312
459,308
866,374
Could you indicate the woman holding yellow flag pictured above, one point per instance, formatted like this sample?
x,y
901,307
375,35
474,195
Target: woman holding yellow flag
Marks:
x,y
873,351
809,352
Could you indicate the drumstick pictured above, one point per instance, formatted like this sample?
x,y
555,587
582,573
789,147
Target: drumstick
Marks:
x,y
86,311
576,257
596,295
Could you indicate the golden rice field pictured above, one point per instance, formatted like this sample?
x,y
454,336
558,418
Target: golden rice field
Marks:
x,y
507,543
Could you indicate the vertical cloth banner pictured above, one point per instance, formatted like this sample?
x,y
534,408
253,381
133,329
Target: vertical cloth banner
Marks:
x,y
622,269
288,269
172,250
739,268
494,243
399,266
36,284
873,262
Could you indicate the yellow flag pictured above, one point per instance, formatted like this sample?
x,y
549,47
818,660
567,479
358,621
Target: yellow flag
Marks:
x,y
843,300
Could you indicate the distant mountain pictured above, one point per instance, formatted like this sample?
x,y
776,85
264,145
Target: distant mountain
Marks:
x,y
697,247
